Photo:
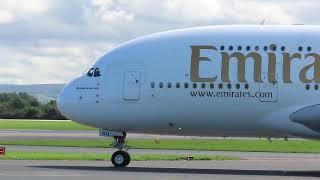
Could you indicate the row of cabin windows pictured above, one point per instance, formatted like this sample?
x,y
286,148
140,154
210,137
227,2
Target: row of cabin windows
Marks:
x,y
212,85
195,85
308,87
272,47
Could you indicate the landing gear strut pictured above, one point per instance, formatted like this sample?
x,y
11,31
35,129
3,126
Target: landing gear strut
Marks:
x,y
120,158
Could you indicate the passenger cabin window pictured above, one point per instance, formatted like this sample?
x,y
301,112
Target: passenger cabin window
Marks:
x,y
309,48
273,47
307,87
229,86
194,85
238,86
265,48
153,84
90,72
97,72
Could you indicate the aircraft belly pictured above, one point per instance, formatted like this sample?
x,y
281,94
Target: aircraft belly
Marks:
x,y
187,120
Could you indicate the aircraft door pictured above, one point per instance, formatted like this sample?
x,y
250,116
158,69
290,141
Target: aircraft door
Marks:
x,y
131,85
268,91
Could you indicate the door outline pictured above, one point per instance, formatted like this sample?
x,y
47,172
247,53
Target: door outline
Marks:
x,y
131,85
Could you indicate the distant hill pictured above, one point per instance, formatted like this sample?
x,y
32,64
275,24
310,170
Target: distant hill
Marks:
x,y
44,92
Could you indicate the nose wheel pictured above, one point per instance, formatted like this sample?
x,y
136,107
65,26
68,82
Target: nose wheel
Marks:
x,y
120,158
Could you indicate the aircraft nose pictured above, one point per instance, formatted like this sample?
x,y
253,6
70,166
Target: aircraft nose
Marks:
x,y
65,101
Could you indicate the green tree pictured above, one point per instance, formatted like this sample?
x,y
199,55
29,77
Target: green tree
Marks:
x,y
32,113
25,106
51,111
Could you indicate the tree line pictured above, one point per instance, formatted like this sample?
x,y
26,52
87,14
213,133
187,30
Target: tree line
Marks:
x,y
24,106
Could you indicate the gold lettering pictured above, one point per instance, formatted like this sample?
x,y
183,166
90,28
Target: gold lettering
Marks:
x,y
272,68
241,66
287,65
195,62
316,69
242,59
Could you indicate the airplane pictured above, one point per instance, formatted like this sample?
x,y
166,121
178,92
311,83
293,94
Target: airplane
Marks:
x,y
228,81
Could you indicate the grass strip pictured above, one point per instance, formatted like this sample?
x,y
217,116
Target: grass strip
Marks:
x,y
250,145
41,125
17,155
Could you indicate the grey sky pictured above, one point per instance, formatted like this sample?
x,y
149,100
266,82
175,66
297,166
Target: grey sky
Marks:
x,y
52,41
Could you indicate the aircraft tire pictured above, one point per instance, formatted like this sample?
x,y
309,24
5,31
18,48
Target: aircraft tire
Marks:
x,y
120,159
127,159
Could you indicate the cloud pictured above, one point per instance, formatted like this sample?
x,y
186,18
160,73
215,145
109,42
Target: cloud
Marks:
x,y
52,41
14,10
204,12
53,61
109,9
6,16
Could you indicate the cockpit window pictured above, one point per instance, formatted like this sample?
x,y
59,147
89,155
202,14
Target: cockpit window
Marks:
x,y
90,72
97,72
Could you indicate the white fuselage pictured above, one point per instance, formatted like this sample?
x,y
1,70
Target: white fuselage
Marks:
x,y
253,81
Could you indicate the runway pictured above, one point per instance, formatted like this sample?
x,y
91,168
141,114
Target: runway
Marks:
x,y
242,155
159,170
253,165
60,134
81,134
46,134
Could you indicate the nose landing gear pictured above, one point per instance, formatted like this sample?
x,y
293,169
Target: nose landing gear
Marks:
x,y
120,158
